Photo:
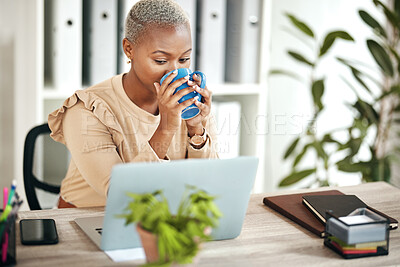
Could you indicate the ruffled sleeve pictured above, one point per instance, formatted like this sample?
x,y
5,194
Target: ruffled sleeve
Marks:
x,y
91,102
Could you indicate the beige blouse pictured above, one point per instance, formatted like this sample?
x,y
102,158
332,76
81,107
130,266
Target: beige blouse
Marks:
x,y
102,127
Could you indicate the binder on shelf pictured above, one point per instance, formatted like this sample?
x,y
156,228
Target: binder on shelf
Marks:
x,y
210,53
243,31
227,116
100,24
124,6
63,44
190,7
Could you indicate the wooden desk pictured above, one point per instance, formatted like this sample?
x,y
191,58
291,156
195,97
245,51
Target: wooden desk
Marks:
x,y
267,238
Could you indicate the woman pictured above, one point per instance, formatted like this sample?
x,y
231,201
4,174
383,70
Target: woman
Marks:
x,y
131,117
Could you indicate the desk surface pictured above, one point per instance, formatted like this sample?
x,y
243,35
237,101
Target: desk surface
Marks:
x,y
267,238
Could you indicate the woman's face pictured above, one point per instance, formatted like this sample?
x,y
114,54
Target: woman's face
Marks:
x,y
161,50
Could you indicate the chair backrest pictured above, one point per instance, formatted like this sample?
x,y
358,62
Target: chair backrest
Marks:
x,y
30,180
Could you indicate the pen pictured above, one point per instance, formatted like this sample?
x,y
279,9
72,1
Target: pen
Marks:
x,y
4,248
6,211
10,218
13,186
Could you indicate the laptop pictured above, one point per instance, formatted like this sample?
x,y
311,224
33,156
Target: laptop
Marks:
x,y
231,180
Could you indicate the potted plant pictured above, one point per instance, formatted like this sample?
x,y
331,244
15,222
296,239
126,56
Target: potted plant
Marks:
x,y
172,238
376,108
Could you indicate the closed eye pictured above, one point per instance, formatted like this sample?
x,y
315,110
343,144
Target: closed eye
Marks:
x,y
184,60
160,61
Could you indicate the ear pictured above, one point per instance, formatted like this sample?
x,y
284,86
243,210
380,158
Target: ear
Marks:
x,y
128,48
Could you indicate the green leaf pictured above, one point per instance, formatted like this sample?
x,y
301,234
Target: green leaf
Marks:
x,y
392,17
367,111
362,126
300,25
381,57
397,7
397,56
370,21
291,148
346,166
317,90
364,74
300,58
394,90
380,170
300,156
330,39
356,74
296,176
355,145
285,72
320,150
328,139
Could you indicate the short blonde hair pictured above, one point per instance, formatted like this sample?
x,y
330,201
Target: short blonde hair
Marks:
x,y
162,13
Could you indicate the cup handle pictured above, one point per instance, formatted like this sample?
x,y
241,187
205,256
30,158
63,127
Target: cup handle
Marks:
x,y
203,78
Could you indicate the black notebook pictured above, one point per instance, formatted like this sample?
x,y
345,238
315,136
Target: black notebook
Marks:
x,y
341,205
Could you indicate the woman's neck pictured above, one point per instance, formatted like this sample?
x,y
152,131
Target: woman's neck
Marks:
x,y
139,94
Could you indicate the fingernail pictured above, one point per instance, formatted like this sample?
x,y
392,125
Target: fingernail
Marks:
x,y
155,84
196,98
195,75
187,77
175,71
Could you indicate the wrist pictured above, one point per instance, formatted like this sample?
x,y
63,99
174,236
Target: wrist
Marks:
x,y
198,141
196,130
165,129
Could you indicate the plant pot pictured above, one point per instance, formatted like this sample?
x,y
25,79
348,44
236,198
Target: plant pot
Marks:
x,y
149,243
150,247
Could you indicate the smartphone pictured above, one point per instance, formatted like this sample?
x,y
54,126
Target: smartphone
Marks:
x,y
38,231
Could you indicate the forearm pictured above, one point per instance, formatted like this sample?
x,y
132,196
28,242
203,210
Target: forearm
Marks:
x,y
160,141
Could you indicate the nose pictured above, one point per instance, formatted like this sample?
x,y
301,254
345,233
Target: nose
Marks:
x,y
172,66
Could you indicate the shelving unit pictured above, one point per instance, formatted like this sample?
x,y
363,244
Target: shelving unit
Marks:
x,y
37,100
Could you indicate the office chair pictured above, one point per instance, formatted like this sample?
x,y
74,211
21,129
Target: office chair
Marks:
x,y
30,180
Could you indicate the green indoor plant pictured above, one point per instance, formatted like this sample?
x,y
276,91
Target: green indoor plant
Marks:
x,y
374,110
179,235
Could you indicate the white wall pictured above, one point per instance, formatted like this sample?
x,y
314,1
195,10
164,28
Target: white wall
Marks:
x,y
7,42
289,100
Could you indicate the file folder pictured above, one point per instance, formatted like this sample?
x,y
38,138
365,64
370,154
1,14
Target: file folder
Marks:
x,y
100,21
124,6
210,56
63,44
243,41
190,8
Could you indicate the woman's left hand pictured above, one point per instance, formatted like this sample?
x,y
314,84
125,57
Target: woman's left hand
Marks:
x,y
204,106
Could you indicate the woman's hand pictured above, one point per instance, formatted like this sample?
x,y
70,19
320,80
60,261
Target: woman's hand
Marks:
x,y
195,125
169,108
170,112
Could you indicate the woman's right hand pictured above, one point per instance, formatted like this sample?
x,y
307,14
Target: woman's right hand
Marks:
x,y
170,112
168,107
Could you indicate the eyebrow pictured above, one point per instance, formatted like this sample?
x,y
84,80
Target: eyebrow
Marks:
x,y
168,54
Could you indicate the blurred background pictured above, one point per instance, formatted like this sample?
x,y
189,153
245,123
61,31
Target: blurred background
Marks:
x,y
278,86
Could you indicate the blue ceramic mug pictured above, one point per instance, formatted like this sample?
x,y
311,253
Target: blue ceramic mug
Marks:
x,y
192,110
